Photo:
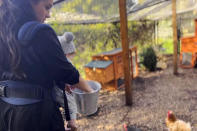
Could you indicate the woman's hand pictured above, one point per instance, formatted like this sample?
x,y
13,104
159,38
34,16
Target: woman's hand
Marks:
x,y
83,85
89,89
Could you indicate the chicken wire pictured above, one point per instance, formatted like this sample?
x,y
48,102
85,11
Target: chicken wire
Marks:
x,y
96,11
103,11
102,8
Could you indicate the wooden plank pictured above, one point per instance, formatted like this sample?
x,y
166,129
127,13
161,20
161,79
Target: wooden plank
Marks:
x,y
175,41
125,47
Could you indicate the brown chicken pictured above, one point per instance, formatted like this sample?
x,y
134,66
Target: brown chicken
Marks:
x,y
175,124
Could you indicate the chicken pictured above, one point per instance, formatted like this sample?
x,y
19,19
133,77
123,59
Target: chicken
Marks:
x,y
130,128
175,124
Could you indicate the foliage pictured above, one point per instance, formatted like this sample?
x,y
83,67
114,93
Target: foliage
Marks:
x,y
149,58
141,32
91,40
167,45
93,7
96,38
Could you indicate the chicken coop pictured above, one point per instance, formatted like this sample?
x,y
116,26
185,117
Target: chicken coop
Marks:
x,y
107,67
101,71
188,54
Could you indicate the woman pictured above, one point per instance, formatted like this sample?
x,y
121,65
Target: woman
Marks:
x,y
29,67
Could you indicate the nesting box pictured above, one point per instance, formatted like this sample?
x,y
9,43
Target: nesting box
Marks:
x,y
107,67
101,71
188,53
115,56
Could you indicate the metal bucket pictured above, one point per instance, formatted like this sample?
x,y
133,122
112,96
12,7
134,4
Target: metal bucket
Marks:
x,y
87,102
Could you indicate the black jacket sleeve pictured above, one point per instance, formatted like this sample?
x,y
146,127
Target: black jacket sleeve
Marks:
x,y
50,51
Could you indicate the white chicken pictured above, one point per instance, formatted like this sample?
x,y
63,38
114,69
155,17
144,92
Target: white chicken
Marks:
x,y
175,124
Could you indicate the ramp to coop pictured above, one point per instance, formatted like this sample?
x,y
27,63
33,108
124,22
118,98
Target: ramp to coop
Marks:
x,y
134,65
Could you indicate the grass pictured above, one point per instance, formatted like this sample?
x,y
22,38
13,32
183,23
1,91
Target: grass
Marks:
x,y
167,44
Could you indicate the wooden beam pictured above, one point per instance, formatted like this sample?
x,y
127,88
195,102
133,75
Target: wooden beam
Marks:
x,y
175,41
125,48
58,1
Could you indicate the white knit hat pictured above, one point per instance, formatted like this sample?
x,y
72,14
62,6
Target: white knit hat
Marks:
x,y
66,41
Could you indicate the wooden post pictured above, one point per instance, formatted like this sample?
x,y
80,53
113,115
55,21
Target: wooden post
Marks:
x,y
125,48
174,25
157,32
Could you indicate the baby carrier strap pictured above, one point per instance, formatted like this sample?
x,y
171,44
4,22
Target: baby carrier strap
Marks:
x,y
27,31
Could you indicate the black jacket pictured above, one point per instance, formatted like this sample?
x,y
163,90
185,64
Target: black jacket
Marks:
x,y
43,60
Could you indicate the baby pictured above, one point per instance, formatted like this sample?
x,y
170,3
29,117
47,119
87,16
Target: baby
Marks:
x,y
68,47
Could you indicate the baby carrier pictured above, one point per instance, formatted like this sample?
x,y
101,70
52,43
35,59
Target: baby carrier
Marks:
x,y
18,89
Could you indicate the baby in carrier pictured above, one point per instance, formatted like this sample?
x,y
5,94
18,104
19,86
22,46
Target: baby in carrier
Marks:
x,y
68,47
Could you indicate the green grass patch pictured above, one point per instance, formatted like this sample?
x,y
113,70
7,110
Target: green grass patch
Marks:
x,y
167,45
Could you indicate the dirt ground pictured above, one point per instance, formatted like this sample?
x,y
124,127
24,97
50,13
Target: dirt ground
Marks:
x,y
154,93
